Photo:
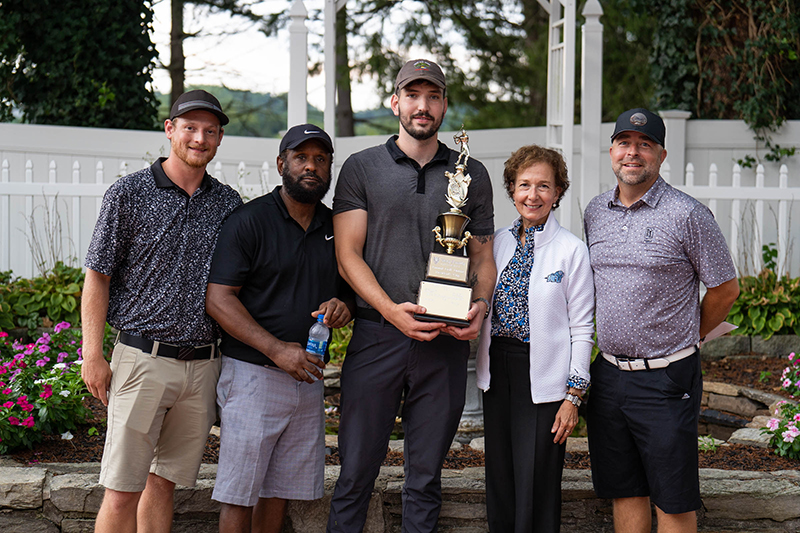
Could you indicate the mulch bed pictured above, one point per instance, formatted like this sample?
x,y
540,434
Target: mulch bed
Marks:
x,y
748,372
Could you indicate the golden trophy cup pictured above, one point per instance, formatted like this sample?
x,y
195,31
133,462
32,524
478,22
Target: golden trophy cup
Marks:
x,y
446,293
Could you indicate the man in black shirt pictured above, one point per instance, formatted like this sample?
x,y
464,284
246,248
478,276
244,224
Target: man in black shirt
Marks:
x,y
146,275
274,270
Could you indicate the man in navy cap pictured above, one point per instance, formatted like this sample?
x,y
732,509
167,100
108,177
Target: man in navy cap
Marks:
x,y
274,270
650,246
146,271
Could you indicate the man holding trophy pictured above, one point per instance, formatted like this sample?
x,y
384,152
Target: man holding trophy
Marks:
x,y
404,214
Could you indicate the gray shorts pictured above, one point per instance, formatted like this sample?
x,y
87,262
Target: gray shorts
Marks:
x,y
272,440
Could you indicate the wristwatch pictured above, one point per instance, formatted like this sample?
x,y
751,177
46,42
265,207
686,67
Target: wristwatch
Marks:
x,y
574,400
484,300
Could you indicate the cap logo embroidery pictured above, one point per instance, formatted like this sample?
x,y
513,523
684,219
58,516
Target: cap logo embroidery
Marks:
x,y
307,132
638,119
422,65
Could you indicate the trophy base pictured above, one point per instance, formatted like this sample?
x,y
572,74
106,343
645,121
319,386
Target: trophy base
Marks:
x,y
447,320
444,302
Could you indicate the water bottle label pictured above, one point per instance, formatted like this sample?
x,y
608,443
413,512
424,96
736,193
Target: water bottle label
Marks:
x,y
317,347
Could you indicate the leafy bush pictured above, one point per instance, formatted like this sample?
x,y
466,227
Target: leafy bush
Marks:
x,y
767,305
41,391
340,338
44,300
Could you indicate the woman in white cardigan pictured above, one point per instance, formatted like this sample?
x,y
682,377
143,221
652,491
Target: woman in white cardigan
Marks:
x,y
535,348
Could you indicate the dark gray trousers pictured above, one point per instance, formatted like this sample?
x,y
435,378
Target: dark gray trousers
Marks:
x,y
380,366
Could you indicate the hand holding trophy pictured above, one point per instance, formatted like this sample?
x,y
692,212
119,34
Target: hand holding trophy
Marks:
x,y
445,293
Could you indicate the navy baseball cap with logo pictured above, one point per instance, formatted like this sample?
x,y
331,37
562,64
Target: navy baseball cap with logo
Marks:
x,y
198,99
297,135
643,121
419,69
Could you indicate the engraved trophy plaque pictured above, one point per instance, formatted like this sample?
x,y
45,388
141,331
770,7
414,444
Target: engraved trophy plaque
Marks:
x,y
445,293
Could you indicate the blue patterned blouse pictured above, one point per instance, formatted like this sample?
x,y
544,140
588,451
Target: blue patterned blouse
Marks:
x,y
510,313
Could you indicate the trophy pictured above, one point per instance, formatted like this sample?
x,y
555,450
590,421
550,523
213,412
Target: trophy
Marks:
x,y
445,293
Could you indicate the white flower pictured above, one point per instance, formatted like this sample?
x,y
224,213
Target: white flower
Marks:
x,y
66,436
59,366
39,381
64,393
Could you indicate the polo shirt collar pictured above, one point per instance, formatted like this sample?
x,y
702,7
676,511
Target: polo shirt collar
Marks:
x,y
163,181
650,198
398,155
276,197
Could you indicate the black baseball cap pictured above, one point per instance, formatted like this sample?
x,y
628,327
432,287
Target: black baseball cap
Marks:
x,y
419,69
643,121
198,99
297,135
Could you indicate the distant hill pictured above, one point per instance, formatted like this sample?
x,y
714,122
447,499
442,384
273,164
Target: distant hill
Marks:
x,y
264,115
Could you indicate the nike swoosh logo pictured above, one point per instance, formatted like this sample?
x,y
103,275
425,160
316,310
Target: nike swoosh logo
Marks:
x,y
328,237
308,132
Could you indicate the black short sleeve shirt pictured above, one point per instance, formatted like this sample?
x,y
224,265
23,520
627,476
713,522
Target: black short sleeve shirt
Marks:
x,y
284,272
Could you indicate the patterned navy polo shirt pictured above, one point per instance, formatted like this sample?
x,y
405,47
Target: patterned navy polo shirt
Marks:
x,y
156,243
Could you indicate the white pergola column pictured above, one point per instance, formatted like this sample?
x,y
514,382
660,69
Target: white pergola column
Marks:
x,y
297,107
591,101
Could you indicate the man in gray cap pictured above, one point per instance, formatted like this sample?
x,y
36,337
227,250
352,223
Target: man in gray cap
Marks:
x,y
146,271
650,246
274,271
386,204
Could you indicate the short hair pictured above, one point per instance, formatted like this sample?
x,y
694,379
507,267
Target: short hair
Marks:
x,y
529,155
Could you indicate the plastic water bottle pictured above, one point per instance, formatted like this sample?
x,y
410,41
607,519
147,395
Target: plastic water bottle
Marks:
x,y
318,337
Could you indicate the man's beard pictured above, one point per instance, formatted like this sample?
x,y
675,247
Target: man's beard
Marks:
x,y
417,133
302,193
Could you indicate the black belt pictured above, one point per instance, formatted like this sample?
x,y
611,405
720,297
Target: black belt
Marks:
x,y
184,353
372,315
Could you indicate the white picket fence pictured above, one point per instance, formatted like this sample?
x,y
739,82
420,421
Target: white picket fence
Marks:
x,y
73,206
749,227
62,172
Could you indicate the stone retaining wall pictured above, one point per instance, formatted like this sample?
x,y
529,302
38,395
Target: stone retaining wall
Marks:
x,y
65,498
777,346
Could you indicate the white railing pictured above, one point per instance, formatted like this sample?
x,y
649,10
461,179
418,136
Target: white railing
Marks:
x,y
745,210
72,205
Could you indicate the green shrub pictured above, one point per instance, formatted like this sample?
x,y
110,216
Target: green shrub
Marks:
x,y
44,300
767,305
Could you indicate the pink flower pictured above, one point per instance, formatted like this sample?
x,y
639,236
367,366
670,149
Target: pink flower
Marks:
x,y
41,362
27,407
80,353
773,424
44,339
790,434
47,392
3,370
62,356
22,399
13,420
44,348
61,326
6,391
785,371
796,417
8,405
28,422
791,356
3,334
787,383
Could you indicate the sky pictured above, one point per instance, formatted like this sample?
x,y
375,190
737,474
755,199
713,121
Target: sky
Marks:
x,y
230,52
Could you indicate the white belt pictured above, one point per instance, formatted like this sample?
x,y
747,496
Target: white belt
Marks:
x,y
624,363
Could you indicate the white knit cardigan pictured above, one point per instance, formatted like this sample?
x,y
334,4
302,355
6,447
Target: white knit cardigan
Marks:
x,y
560,312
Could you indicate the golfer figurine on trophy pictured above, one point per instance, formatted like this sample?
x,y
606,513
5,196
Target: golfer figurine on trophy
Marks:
x,y
445,292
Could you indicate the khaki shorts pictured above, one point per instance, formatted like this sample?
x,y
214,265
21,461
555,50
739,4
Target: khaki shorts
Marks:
x,y
160,411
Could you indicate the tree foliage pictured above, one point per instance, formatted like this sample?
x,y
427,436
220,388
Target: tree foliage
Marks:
x,y
77,63
738,59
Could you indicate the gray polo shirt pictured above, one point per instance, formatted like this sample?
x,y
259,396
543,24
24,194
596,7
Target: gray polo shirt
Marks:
x,y
402,202
648,261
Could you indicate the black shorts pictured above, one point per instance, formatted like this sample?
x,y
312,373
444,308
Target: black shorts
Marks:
x,y
643,433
